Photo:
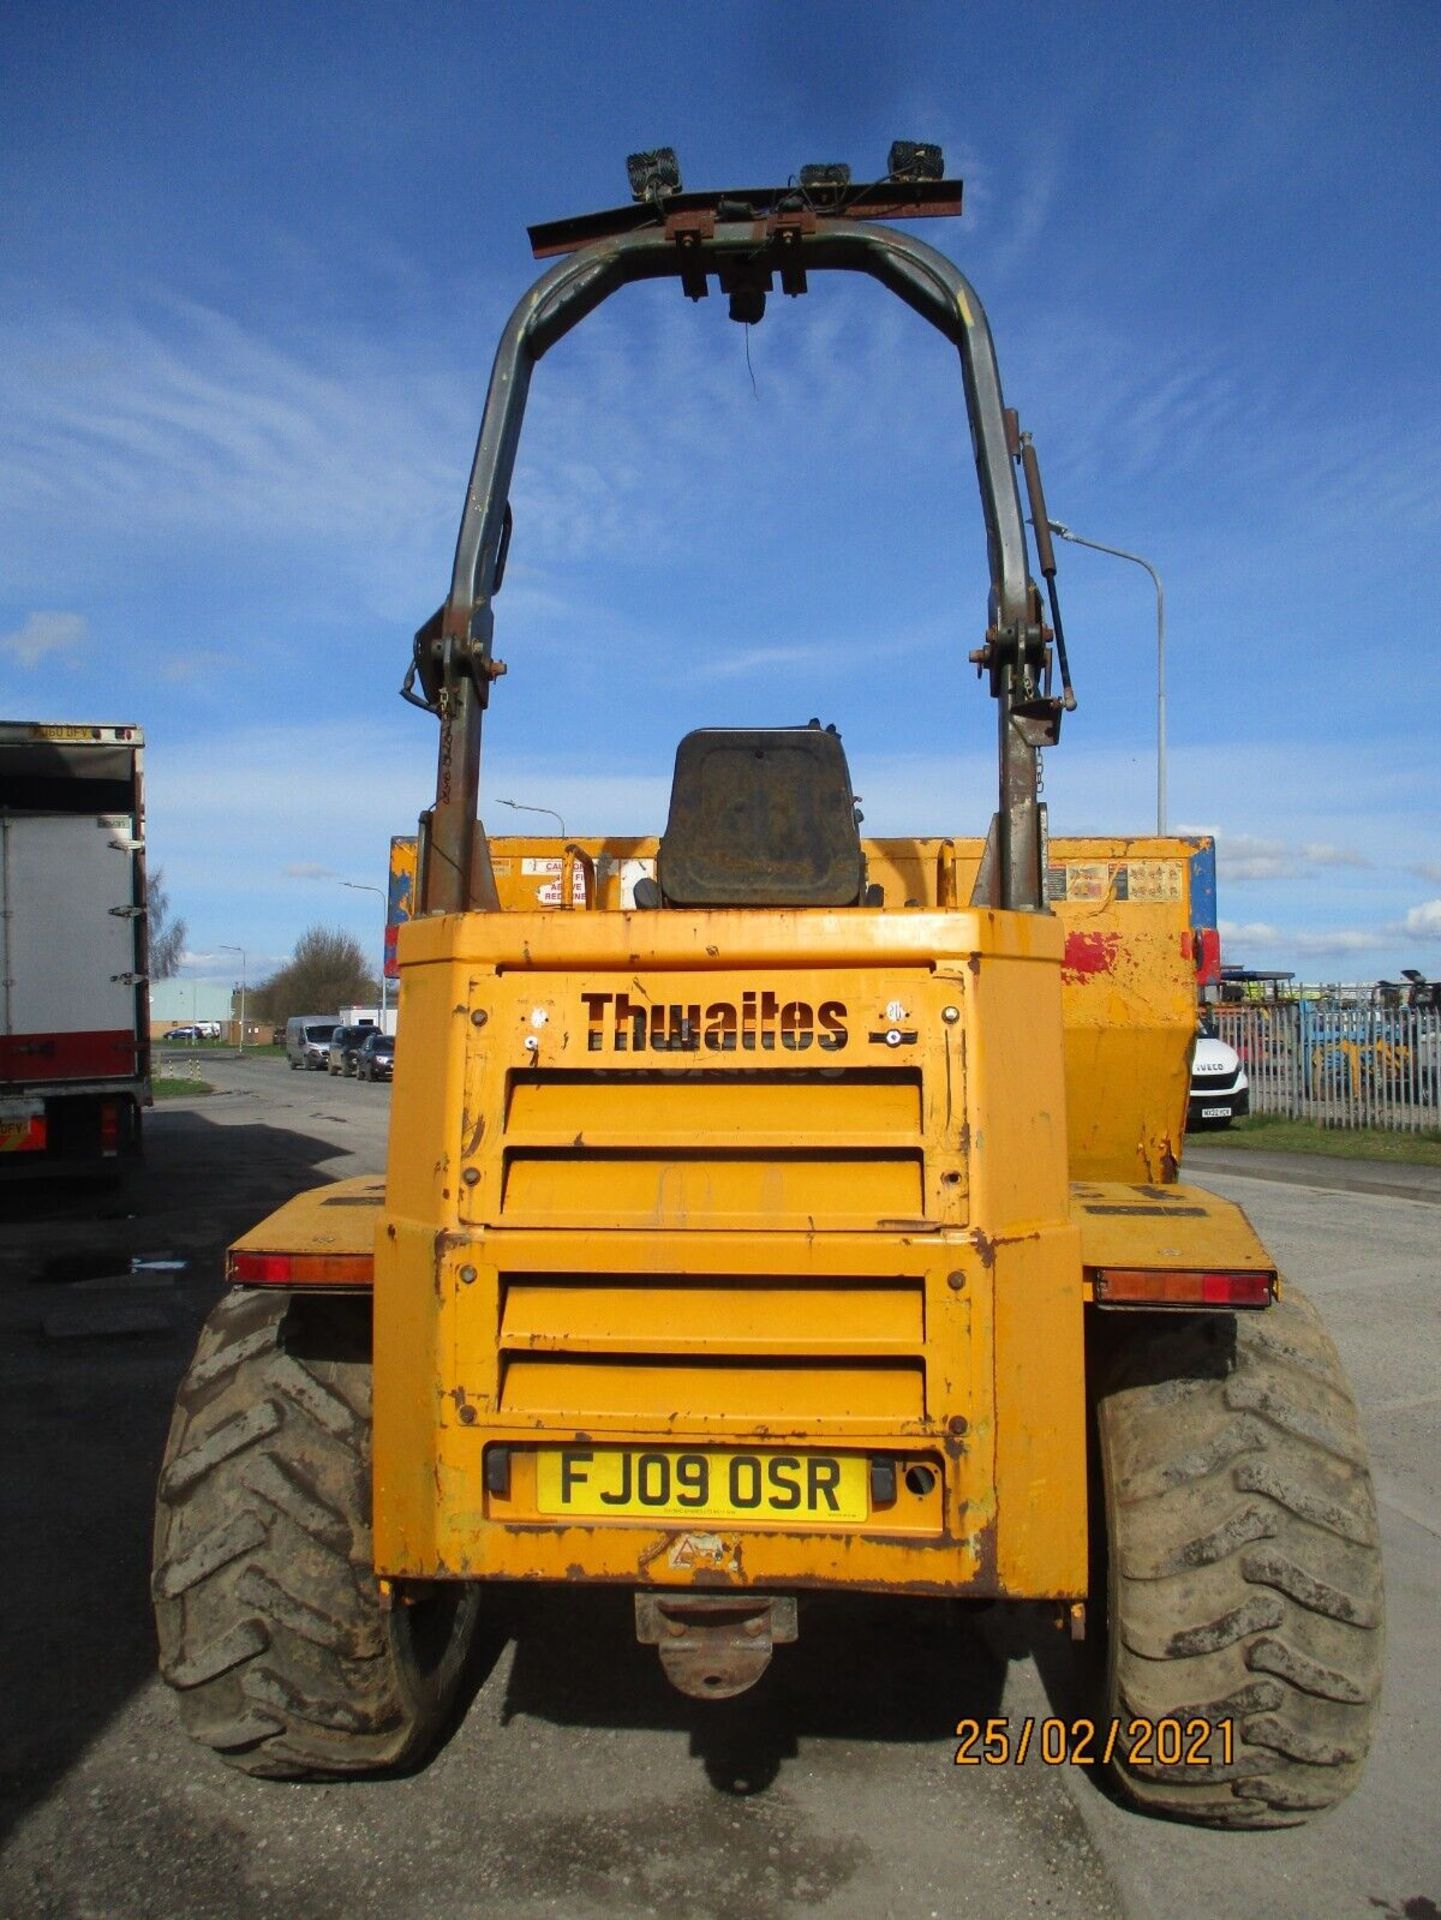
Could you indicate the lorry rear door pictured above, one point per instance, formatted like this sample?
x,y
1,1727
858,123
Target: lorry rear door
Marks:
x,y
67,1007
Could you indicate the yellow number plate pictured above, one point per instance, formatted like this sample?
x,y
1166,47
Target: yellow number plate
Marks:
x,y
22,1132
663,1484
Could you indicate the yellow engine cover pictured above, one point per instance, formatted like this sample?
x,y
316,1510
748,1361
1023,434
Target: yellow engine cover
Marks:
x,y
731,1248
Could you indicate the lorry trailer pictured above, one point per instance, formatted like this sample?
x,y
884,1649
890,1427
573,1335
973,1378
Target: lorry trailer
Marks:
x,y
74,1017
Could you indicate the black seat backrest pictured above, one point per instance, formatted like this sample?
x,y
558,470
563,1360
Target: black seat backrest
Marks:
x,y
761,817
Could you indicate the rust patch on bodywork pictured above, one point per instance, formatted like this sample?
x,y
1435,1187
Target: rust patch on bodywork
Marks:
x,y
987,1577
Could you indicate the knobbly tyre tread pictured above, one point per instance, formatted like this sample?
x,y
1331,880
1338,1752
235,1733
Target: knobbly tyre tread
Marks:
x,y
266,1604
1243,1559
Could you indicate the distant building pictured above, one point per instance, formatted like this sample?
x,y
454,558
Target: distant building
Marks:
x,y
185,1003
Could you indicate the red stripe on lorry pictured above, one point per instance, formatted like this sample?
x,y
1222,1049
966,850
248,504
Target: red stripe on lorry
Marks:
x,y
105,1054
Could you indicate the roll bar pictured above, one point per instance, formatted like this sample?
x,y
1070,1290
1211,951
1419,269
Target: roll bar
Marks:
x,y
453,657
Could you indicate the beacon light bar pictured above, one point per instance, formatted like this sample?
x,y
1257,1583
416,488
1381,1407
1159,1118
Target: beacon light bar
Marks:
x,y
900,199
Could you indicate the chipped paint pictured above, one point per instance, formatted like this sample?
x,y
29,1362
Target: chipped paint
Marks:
x,y
1089,953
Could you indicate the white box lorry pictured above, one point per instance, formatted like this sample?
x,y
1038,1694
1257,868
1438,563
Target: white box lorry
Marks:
x,y
74,1025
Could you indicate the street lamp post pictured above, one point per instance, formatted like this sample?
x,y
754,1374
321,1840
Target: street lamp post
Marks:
x,y
1065,533
521,807
360,886
241,952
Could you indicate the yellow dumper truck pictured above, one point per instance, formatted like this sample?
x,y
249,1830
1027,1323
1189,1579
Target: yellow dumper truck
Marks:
x,y
771,1213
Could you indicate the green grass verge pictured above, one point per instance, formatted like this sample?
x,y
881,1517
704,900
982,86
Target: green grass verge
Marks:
x,y
1278,1135
182,1089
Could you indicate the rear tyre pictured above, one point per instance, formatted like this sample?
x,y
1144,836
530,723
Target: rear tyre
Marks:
x,y
1243,1571
268,1611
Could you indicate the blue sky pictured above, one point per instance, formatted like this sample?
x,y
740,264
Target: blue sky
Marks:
x,y
253,262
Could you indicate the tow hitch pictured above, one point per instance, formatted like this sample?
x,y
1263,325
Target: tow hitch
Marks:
x,y
714,1645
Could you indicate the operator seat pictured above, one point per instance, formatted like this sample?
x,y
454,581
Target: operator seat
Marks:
x,y
760,817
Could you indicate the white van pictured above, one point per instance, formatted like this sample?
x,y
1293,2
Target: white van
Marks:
x,y
307,1040
1220,1091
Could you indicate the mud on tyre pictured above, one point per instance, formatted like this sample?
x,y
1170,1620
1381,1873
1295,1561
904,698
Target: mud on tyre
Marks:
x,y
267,1608
1243,1571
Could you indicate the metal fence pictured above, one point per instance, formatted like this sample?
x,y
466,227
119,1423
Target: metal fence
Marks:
x,y
1345,1066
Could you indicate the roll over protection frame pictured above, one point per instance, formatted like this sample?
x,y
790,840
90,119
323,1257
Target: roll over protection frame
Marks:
x,y
453,657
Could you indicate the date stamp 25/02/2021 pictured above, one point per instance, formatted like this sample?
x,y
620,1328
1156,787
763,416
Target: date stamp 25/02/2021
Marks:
x,y
1000,1742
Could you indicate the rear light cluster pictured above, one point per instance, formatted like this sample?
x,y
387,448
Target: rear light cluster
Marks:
x,y
244,1269
1142,1287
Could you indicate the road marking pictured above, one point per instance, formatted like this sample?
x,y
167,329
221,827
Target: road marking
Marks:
x,y
1407,1512
1404,1405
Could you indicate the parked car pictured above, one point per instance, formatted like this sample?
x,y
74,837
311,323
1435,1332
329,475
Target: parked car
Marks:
x,y
188,1034
344,1045
376,1058
1220,1091
307,1040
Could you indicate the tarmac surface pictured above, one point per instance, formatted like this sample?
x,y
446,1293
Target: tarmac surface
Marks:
x,y
577,1783
1393,1179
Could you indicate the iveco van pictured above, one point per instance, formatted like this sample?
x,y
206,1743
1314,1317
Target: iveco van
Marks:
x,y
307,1040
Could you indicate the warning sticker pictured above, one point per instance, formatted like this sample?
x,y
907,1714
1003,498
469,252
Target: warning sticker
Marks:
x,y
1155,880
1088,880
1116,880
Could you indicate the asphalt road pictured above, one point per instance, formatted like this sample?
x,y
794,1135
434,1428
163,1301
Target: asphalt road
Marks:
x,y
578,1784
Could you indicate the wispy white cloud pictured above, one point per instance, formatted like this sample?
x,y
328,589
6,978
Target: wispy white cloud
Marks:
x,y
308,870
175,421
1320,854
1419,923
1243,857
186,669
1424,922
41,635
726,666
225,967
1260,936
198,959
187,418
1249,856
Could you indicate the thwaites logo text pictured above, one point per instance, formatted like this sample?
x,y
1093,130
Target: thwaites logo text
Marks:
x,y
761,1023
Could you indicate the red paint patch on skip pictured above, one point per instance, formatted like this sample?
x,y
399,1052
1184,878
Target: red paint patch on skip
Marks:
x,y
1206,952
1088,953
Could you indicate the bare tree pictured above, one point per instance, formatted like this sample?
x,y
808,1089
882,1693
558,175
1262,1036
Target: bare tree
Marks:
x,y
167,936
326,972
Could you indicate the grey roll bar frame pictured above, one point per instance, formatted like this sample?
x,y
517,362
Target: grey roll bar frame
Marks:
x,y
453,650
